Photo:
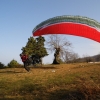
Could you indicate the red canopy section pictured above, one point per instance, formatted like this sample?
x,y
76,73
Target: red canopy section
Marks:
x,y
72,27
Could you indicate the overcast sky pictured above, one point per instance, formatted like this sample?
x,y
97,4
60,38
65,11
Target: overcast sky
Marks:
x,y
19,17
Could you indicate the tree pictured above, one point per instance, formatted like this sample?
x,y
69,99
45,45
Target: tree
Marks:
x,y
71,57
97,58
13,63
87,58
1,65
40,47
35,46
60,45
30,46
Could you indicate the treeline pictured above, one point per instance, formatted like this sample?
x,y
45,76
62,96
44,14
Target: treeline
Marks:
x,y
95,58
12,64
35,46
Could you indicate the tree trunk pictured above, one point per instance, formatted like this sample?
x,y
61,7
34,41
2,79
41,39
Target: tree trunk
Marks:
x,y
56,56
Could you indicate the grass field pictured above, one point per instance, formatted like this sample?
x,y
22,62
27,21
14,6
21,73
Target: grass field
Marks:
x,y
51,82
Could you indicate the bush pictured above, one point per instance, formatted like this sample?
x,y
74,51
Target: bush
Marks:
x,y
1,65
13,64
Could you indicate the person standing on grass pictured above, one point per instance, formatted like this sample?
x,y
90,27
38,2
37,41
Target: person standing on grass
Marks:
x,y
24,58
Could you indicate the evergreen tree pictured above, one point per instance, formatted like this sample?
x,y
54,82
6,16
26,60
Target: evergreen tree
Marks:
x,y
30,46
40,49
35,46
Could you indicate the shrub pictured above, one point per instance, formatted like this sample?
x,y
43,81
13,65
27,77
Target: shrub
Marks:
x,y
1,65
13,63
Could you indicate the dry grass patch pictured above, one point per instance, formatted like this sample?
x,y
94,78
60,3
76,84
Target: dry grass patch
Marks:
x,y
51,82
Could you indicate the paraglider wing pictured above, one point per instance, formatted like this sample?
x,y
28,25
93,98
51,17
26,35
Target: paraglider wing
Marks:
x,y
69,25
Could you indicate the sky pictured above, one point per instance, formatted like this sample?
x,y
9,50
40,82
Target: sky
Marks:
x,y
19,17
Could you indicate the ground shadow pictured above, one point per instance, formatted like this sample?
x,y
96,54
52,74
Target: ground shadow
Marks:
x,y
12,71
61,94
64,94
44,67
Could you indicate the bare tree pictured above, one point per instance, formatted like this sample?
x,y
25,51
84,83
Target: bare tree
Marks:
x,y
60,45
71,57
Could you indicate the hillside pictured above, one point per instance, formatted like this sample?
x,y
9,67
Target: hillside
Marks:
x,y
95,58
51,82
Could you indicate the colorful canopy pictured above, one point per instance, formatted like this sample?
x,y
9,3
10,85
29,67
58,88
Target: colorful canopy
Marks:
x,y
69,25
